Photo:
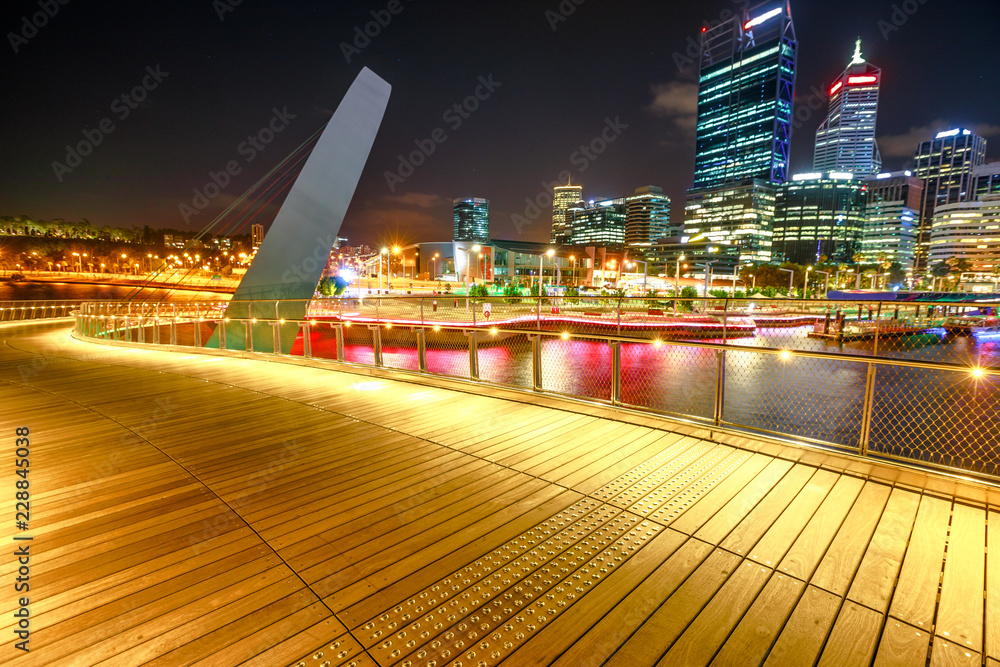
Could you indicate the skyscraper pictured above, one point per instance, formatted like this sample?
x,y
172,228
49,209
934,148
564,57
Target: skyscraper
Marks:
x,y
744,130
472,220
647,217
986,180
745,97
818,215
845,141
946,164
563,196
967,230
256,235
600,224
892,217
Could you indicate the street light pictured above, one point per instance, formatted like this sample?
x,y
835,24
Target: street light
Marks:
x,y
385,251
573,259
677,279
805,282
791,277
644,272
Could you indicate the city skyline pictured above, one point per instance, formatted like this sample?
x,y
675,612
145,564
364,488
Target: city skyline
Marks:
x,y
494,144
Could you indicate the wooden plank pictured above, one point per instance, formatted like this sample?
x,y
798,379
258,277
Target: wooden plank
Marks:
x,y
902,646
779,536
877,574
726,518
960,611
760,473
805,554
602,602
802,639
752,639
605,637
751,528
841,561
709,631
993,588
854,637
668,622
950,654
915,597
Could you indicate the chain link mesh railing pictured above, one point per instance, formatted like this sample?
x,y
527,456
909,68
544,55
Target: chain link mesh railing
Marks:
x,y
904,381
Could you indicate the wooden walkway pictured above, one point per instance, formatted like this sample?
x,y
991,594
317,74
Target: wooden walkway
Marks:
x,y
188,509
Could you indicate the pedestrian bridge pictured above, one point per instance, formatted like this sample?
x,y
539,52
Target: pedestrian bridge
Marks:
x,y
216,510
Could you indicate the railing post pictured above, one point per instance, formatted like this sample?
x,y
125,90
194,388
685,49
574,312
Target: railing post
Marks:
x,y
377,344
222,334
307,347
276,333
339,329
720,386
725,320
868,411
878,327
616,373
142,330
619,316
536,362
421,312
197,331
473,354
249,325
422,349
539,305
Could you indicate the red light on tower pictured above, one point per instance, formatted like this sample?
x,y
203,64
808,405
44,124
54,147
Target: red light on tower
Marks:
x,y
704,28
861,80
836,87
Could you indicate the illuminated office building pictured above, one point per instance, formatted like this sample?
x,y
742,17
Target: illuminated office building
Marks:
x,y
818,215
845,141
256,235
563,197
892,216
969,231
647,217
986,180
745,97
600,224
472,220
738,214
945,164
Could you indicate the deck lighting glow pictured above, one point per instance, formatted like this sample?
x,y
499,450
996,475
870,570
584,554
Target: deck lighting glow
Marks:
x,y
493,331
786,355
437,328
657,343
977,373
565,335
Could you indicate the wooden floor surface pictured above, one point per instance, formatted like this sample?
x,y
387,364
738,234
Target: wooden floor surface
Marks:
x,y
189,509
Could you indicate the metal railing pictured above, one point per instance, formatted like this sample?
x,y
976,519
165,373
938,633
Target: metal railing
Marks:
x,y
18,311
874,396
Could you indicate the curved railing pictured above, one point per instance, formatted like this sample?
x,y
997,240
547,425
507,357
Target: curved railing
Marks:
x,y
889,382
18,311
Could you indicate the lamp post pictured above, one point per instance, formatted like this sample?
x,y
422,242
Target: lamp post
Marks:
x,y
791,277
805,282
434,264
677,279
385,251
645,268
754,288
573,257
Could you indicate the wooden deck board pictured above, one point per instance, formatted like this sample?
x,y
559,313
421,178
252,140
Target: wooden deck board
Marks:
x,y
331,507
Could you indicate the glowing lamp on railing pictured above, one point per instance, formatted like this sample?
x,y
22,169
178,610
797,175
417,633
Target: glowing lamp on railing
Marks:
x,y
977,373
565,335
437,328
657,343
785,355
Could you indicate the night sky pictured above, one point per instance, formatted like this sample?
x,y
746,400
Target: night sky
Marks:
x,y
223,68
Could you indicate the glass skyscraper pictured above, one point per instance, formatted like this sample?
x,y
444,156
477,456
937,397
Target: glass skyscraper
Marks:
x,y
892,217
563,197
845,141
744,131
818,215
946,164
600,224
472,220
647,217
745,97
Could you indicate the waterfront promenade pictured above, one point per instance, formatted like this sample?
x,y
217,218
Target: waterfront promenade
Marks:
x,y
195,509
